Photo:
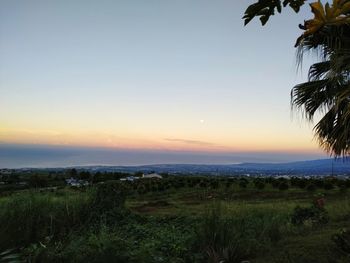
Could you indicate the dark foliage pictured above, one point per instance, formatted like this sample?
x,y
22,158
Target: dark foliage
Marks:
x,y
342,241
264,9
315,214
283,186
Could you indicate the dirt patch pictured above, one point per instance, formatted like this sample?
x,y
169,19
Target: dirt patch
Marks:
x,y
144,209
193,202
198,197
152,206
159,203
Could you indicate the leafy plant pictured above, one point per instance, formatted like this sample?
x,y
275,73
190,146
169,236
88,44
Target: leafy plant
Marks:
x,y
259,184
109,195
283,186
11,256
342,241
266,8
315,214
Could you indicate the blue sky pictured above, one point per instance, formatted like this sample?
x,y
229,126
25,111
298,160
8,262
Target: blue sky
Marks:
x,y
181,76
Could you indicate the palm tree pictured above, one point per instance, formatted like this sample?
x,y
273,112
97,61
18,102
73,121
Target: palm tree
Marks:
x,y
327,90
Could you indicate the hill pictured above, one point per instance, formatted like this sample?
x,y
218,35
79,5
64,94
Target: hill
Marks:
x,y
312,167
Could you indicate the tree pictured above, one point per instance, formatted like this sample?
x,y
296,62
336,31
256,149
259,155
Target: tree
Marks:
x,y
84,175
37,181
259,184
327,90
72,172
266,8
283,186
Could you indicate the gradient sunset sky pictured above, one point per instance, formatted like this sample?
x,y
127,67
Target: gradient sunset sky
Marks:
x,y
165,75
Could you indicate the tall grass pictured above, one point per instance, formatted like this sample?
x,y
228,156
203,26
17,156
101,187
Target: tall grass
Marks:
x,y
229,238
229,231
339,210
30,217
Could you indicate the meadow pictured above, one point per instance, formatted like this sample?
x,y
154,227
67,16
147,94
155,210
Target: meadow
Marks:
x,y
179,219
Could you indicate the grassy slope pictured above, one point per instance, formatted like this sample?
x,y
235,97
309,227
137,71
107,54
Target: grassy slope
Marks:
x,y
305,244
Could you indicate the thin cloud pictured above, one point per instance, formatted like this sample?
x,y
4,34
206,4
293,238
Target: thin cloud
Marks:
x,y
193,142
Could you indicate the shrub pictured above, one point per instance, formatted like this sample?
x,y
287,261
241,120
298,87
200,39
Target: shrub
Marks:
x,y
141,189
319,183
259,184
214,183
317,215
302,183
37,181
342,241
154,187
311,187
109,196
243,183
229,183
203,184
347,183
342,186
328,186
275,183
283,186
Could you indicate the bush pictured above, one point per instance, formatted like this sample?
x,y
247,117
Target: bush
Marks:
x,y
243,183
141,189
109,199
214,183
203,184
342,241
302,183
311,187
229,183
347,183
275,183
259,184
316,215
37,181
109,195
283,186
319,183
328,186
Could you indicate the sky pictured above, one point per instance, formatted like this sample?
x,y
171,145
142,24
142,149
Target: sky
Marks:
x,y
173,77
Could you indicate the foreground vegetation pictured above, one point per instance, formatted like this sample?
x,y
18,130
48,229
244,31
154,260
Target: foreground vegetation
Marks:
x,y
179,219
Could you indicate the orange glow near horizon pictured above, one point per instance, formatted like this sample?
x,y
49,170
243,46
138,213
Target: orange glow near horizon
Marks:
x,y
127,140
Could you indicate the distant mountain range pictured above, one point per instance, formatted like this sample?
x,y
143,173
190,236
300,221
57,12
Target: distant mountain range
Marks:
x,y
314,167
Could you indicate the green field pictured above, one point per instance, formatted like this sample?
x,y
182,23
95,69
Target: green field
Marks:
x,y
183,219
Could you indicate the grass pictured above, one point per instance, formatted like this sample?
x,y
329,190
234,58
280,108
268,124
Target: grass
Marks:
x,y
296,244
194,202
188,224
32,216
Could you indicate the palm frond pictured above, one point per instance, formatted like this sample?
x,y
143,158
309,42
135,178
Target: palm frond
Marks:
x,y
328,88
